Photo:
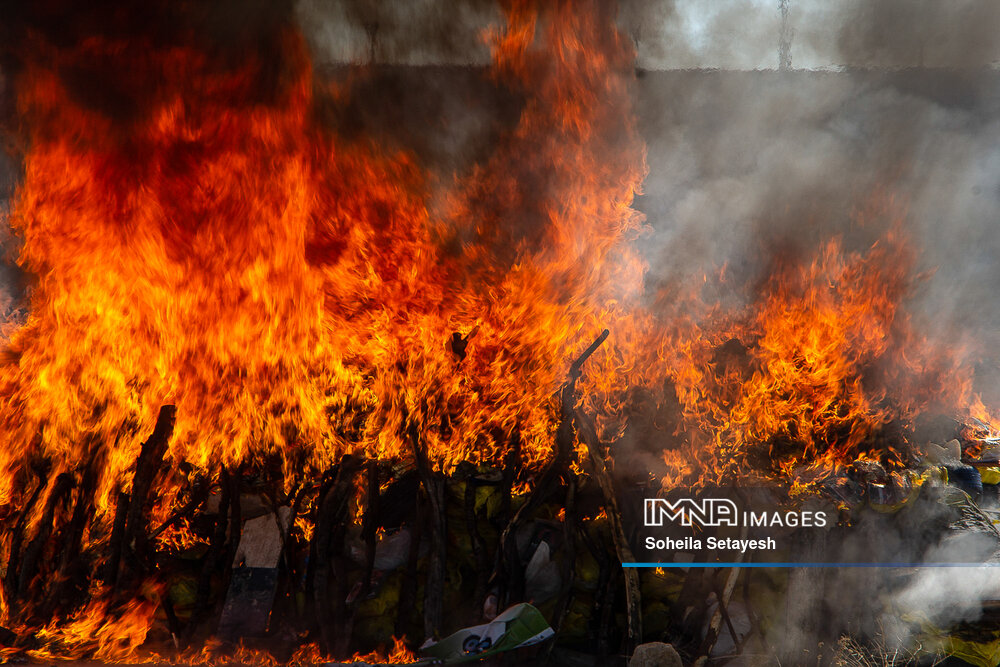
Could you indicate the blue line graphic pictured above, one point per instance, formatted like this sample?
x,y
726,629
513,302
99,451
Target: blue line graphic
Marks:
x,y
786,565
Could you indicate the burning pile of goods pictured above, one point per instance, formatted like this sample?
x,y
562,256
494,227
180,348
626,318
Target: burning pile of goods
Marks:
x,y
273,402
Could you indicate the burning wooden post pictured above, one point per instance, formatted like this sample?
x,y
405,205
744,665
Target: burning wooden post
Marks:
x,y
328,575
11,580
129,541
30,559
215,558
433,484
633,600
370,522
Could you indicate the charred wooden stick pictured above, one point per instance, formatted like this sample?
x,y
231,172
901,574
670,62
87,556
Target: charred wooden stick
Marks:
x,y
233,540
315,580
511,471
235,519
478,545
737,640
577,367
434,593
370,523
146,467
81,513
722,598
329,590
32,553
17,535
110,573
342,615
605,608
434,586
408,587
599,620
128,530
293,580
212,559
173,624
569,560
72,576
199,494
633,601
286,604
325,517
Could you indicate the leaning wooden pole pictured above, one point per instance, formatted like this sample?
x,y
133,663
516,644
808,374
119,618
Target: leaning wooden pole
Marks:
x,y
721,611
433,484
586,431
13,564
633,599
510,569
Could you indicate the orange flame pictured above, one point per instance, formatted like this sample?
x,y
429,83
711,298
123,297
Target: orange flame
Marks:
x,y
97,631
296,296
398,655
812,372
290,291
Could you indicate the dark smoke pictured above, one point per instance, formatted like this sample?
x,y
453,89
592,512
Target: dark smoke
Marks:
x,y
912,33
746,164
102,51
418,32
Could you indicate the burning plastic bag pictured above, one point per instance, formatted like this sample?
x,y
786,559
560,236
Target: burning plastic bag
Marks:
x,y
518,626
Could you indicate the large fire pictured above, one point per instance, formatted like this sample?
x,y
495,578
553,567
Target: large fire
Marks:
x,y
812,372
296,296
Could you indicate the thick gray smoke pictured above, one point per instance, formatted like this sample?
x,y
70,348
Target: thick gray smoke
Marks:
x,y
894,609
744,34
680,34
743,162
908,33
747,163
11,289
416,33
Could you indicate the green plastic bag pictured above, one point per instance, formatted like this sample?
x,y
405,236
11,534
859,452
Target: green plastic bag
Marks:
x,y
518,626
